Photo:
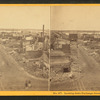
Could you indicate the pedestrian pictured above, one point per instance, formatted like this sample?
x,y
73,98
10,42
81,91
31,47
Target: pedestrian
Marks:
x,y
26,84
29,84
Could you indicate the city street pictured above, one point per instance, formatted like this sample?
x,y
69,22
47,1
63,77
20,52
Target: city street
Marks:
x,y
13,77
88,78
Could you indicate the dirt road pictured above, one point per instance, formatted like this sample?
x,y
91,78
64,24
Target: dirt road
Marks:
x,y
88,79
90,71
13,77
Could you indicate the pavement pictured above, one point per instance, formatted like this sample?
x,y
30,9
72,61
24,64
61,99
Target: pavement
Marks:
x,y
13,77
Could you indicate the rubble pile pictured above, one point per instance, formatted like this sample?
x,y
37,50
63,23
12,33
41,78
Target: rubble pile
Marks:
x,y
63,57
93,48
28,51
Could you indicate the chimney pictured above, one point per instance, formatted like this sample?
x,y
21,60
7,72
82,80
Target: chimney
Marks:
x,y
43,31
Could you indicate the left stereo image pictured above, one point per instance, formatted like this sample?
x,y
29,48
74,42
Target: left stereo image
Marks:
x,y
24,48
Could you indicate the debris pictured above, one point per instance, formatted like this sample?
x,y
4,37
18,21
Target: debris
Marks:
x,y
70,75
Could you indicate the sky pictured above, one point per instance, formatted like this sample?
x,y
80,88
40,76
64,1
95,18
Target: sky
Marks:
x,y
24,17
75,18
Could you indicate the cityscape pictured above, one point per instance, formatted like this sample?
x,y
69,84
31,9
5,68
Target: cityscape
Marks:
x,y
45,48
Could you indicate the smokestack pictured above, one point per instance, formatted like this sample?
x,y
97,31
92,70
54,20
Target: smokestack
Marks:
x,y
43,39
43,31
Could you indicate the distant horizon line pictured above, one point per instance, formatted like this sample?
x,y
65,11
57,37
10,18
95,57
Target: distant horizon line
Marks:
x,y
85,30
20,29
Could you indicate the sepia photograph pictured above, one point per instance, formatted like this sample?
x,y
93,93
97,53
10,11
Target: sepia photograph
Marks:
x,y
50,48
24,48
75,48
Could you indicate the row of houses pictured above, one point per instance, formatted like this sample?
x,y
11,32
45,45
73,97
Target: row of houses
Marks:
x,y
91,37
